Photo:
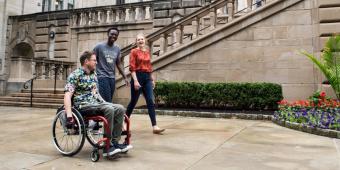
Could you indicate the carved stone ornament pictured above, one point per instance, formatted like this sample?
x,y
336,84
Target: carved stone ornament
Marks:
x,y
23,32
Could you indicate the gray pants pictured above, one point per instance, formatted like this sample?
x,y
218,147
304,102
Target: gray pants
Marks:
x,y
114,113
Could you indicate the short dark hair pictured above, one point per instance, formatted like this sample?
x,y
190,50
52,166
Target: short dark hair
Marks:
x,y
112,28
86,55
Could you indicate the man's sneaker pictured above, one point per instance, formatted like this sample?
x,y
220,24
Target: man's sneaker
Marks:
x,y
123,147
113,150
94,125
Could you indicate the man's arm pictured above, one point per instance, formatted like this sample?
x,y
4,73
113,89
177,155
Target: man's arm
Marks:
x,y
68,103
120,67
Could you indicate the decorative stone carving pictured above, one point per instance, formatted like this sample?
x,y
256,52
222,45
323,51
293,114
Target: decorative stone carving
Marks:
x,y
22,32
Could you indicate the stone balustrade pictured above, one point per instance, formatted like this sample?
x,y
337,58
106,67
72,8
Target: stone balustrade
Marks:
x,y
48,69
193,26
112,14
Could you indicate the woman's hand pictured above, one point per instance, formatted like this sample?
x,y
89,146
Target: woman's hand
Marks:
x,y
136,85
153,84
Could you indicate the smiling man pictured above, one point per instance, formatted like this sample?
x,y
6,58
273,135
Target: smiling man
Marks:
x,y
108,57
81,89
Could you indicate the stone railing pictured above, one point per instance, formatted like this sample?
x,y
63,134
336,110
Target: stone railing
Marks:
x,y
195,25
51,69
132,12
112,14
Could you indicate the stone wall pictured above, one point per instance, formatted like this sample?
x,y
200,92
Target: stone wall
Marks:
x,y
267,51
167,12
53,23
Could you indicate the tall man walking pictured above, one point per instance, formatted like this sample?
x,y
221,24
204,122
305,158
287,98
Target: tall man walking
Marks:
x,y
108,57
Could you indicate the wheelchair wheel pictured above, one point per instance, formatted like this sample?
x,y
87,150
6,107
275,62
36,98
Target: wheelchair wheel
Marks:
x,y
95,155
68,141
94,134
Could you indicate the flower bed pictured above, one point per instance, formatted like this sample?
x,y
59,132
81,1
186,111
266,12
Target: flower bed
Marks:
x,y
316,112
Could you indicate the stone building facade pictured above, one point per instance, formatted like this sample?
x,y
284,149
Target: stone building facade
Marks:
x,y
222,42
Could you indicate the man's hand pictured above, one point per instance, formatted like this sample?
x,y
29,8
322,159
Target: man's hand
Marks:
x,y
69,122
127,82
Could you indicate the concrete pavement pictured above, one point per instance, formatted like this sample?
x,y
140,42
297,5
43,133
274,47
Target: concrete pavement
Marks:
x,y
188,143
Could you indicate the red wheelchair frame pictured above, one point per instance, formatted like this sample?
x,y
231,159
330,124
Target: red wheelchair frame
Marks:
x,y
107,129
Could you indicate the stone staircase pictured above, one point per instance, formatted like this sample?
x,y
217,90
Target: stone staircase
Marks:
x,y
212,25
42,98
200,28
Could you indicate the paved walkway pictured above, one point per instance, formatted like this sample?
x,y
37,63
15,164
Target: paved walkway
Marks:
x,y
189,143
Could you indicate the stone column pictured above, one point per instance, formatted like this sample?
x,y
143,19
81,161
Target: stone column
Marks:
x,y
231,11
108,16
163,43
148,13
121,15
179,35
132,14
126,18
213,19
139,13
82,18
235,6
74,19
249,5
113,16
99,17
196,27
43,69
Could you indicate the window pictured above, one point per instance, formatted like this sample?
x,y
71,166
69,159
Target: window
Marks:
x,y
46,5
70,4
59,5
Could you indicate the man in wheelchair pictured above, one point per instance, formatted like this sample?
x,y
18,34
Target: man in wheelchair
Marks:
x,y
81,91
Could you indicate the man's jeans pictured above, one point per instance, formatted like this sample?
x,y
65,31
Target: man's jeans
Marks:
x,y
106,88
114,113
144,80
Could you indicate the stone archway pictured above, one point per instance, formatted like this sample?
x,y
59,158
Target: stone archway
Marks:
x,y
21,67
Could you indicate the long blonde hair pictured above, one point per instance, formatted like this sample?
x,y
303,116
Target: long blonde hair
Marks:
x,y
145,47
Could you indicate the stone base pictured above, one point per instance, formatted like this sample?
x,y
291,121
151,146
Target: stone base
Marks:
x,y
14,87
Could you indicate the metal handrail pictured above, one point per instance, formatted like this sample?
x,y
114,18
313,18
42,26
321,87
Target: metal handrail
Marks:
x,y
30,81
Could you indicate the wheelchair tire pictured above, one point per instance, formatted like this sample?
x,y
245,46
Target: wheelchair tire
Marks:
x,y
95,155
74,137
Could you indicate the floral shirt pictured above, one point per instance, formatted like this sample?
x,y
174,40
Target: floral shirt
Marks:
x,y
84,88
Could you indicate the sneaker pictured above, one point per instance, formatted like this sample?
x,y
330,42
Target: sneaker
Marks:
x,y
123,147
94,125
91,124
113,150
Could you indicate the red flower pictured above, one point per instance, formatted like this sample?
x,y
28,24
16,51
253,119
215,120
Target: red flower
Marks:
x,y
323,94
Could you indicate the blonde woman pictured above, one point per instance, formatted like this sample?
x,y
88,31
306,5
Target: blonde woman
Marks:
x,y
142,80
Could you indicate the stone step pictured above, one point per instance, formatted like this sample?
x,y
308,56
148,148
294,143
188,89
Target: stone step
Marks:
x,y
58,91
35,100
27,104
39,95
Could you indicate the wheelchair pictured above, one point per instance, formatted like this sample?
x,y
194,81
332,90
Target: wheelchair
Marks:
x,y
69,141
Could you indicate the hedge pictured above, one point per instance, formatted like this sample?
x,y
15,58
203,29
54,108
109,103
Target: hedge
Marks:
x,y
240,96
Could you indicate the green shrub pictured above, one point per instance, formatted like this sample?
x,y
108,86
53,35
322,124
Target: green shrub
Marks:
x,y
241,96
